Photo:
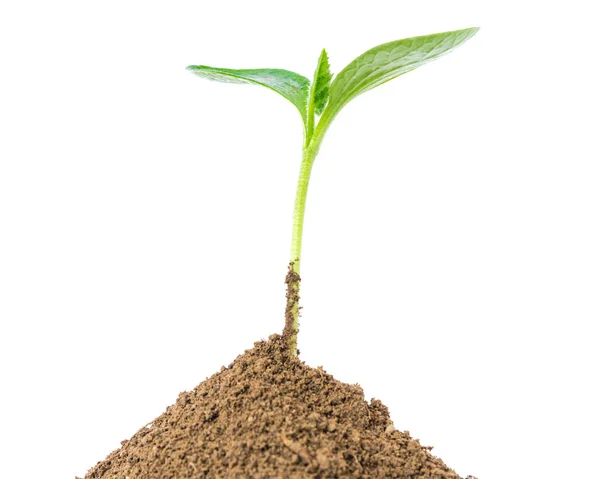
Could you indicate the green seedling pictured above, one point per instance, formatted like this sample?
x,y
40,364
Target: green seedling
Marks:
x,y
319,102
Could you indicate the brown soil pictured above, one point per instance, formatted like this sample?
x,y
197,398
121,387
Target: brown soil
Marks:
x,y
268,415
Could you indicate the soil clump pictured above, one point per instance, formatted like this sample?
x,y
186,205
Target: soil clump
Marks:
x,y
268,415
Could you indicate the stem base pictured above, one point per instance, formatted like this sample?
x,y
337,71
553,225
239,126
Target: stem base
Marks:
x,y
292,309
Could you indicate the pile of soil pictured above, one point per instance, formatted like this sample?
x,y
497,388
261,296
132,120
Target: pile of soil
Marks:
x,y
268,415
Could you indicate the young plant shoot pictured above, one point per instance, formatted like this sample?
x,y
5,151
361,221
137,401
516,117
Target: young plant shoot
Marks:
x,y
319,102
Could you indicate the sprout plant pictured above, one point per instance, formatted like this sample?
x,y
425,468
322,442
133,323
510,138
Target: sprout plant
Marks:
x,y
319,102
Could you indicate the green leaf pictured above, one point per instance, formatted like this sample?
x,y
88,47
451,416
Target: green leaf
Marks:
x,y
320,86
288,84
387,61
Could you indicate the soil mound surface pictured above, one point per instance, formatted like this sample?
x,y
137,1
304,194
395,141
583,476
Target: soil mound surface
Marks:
x,y
270,416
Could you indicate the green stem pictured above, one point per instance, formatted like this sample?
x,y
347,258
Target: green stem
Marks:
x,y
292,311
308,159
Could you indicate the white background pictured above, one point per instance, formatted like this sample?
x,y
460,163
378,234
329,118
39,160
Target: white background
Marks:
x,y
451,259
